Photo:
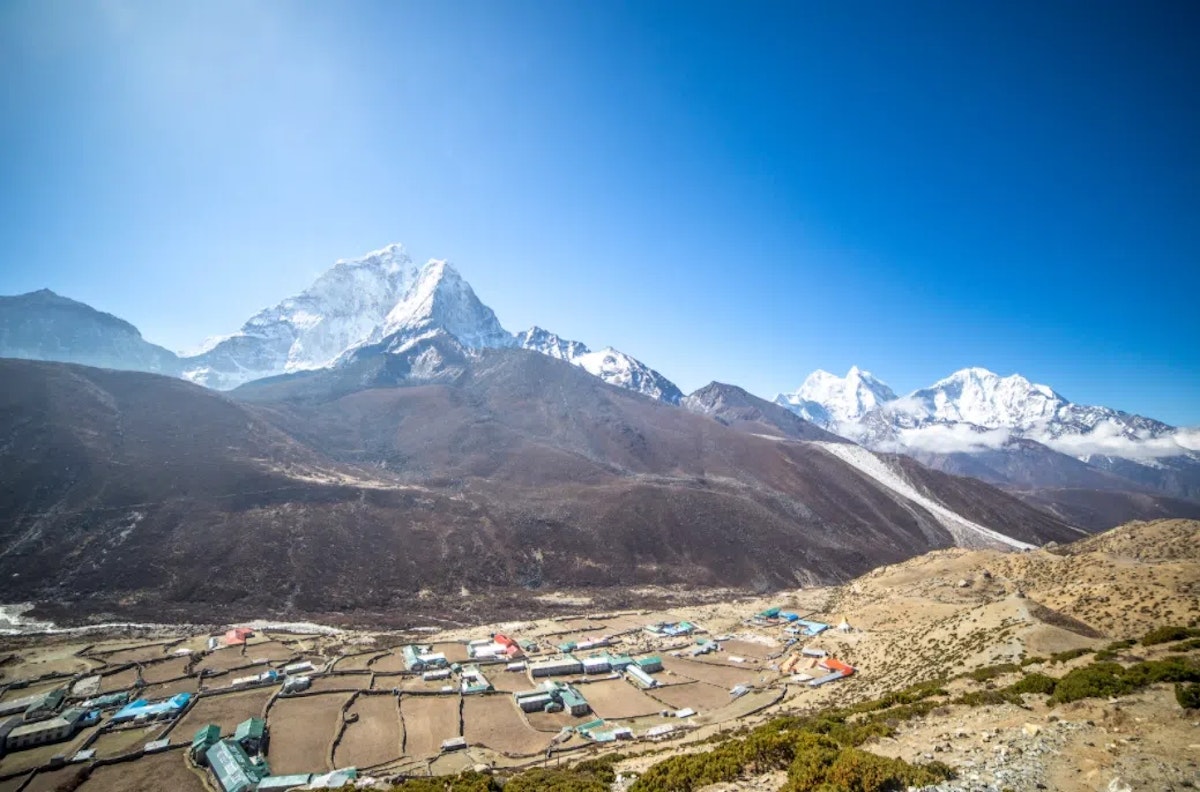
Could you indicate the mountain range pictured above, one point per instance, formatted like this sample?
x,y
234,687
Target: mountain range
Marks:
x,y
382,434
1006,430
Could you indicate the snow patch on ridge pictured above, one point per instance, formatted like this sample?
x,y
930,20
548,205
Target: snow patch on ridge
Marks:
x,y
964,531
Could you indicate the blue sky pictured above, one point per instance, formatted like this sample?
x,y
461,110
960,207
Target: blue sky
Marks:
x,y
736,191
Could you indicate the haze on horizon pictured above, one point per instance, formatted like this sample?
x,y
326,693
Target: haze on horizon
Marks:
x,y
742,193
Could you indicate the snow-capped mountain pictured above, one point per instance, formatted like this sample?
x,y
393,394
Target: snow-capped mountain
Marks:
x,y
385,301
551,344
310,330
611,365
440,298
828,399
617,368
976,411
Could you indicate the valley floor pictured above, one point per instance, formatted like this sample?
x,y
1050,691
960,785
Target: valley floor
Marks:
x,y
968,624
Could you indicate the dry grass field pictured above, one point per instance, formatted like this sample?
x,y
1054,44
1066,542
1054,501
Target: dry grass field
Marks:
x,y
226,710
13,784
55,656
508,681
340,682
226,660
496,722
272,651
616,698
455,652
122,680
161,672
720,675
163,771
375,737
357,662
700,696
392,663
427,721
302,729
49,781
137,654
119,743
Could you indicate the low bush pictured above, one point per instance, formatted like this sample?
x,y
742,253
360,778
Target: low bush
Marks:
x,y
545,780
467,782
1034,683
1185,646
1111,679
1163,635
854,770
1188,695
1070,654
991,672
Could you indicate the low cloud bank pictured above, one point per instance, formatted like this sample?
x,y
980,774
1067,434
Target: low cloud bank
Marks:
x,y
1107,440
1104,440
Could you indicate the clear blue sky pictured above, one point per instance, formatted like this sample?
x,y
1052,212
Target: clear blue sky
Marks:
x,y
735,191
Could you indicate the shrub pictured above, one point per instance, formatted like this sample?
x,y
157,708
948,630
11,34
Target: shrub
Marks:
x,y
467,782
1034,683
1163,635
1110,679
1091,681
1170,669
858,771
991,672
1188,695
1185,646
1070,654
541,779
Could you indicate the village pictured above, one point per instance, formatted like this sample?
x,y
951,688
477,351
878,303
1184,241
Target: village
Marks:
x,y
275,708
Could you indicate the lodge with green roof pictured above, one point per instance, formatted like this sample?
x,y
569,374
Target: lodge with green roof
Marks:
x,y
232,767
251,734
206,737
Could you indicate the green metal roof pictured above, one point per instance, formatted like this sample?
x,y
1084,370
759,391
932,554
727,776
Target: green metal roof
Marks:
x,y
234,770
572,697
252,728
207,735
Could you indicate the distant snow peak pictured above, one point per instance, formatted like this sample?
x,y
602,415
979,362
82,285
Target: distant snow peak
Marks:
x,y
441,298
384,301
310,330
975,410
611,365
984,398
392,258
617,368
551,344
828,399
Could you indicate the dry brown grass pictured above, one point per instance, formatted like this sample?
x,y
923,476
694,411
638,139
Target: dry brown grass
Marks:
x,y
427,721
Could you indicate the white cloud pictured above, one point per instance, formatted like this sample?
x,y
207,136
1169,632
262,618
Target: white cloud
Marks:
x,y
1107,440
951,439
